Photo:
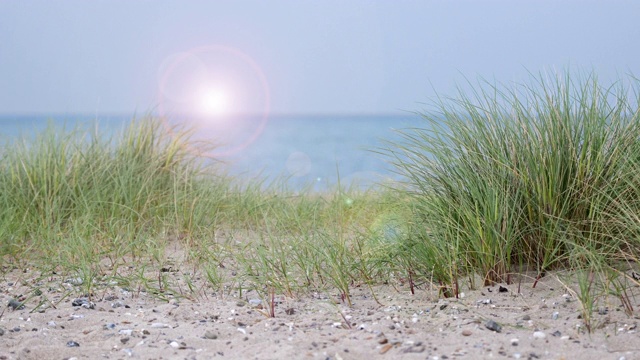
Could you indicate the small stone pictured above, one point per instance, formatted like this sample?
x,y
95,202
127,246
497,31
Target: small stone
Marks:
x,y
129,352
255,302
72,344
514,342
109,326
539,335
52,324
555,315
503,289
124,340
493,326
74,281
383,341
84,302
526,318
160,326
603,310
240,303
209,334
125,332
385,348
466,332
415,349
290,311
15,304
556,333
1,331
174,344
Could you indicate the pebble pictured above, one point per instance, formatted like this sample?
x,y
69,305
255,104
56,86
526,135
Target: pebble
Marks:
x,y
466,332
514,342
72,344
556,333
125,332
255,302
74,281
1,331
52,324
385,348
415,349
109,326
129,352
15,304
290,311
178,345
539,335
210,335
555,314
493,326
160,326
84,302
526,318
603,310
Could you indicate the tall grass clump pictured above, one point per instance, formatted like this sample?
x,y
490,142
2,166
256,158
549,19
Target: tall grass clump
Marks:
x,y
89,194
538,176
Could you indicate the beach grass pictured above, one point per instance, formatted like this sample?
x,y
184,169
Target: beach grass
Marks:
x,y
540,176
501,184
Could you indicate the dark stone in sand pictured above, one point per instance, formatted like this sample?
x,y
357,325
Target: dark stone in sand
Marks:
x,y
72,344
15,304
493,326
84,302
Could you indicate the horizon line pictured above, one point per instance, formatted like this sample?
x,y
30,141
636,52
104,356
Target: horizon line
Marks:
x,y
135,114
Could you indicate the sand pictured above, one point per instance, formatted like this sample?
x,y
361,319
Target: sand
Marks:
x,y
120,323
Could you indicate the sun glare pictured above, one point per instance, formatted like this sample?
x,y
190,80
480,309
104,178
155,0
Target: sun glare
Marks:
x,y
214,102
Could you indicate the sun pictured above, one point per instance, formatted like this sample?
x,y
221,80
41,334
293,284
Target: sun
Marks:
x,y
214,102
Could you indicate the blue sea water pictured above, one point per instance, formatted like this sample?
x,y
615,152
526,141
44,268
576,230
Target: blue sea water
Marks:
x,y
302,151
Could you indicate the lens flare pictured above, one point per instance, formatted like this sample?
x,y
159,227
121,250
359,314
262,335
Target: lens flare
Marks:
x,y
214,102
219,90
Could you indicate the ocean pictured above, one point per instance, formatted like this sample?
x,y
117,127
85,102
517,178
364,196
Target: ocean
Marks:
x,y
302,151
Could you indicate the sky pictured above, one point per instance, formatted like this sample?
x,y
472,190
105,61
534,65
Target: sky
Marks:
x,y
291,57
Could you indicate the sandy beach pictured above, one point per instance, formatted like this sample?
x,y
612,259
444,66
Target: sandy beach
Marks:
x,y
489,322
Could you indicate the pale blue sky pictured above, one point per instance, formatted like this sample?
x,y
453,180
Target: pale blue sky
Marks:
x,y
347,56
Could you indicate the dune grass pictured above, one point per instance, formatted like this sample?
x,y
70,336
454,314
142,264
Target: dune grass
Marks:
x,y
136,208
500,184
541,176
